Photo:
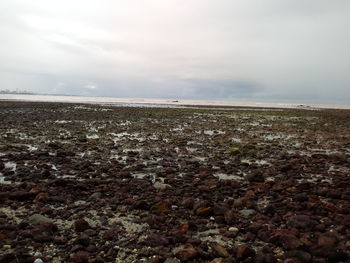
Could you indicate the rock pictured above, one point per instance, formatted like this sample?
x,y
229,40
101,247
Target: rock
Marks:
x,y
111,234
96,195
327,240
38,260
83,239
204,211
161,186
81,225
42,237
302,222
255,177
38,218
8,258
338,257
158,240
244,251
81,257
21,196
233,230
187,202
172,260
298,255
247,212
188,253
290,242
220,250
161,206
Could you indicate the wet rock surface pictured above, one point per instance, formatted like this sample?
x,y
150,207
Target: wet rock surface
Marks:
x,y
87,183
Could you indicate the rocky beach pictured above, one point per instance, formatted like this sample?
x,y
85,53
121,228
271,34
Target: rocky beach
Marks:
x,y
91,183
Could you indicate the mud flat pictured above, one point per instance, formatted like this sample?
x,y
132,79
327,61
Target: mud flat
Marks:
x,y
88,183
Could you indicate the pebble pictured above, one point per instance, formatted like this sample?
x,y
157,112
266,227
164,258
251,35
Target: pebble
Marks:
x,y
38,218
247,212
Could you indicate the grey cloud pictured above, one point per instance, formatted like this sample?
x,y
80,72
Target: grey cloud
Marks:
x,y
260,50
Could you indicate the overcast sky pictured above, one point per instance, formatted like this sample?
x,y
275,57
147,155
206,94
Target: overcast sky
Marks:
x,y
258,50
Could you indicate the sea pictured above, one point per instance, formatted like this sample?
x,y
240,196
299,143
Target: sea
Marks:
x,y
165,103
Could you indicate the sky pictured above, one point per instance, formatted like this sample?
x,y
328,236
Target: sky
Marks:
x,y
270,50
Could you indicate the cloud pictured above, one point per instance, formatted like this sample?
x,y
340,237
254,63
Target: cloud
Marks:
x,y
244,49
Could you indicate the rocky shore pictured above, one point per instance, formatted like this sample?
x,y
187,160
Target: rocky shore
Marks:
x,y
88,183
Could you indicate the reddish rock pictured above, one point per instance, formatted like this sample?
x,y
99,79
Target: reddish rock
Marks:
x,y
161,206
219,250
244,251
21,196
204,211
81,225
81,257
188,253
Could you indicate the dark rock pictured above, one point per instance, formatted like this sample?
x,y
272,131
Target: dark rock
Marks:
x,y
299,256
302,222
338,257
21,196
8,258
81,257
158,240
83,239
219,250
81,225
247,212
188,253
244,251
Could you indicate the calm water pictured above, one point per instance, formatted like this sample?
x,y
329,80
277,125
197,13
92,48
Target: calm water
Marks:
x,y
161,102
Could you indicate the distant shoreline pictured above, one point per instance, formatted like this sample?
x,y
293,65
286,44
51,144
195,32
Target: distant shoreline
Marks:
x,y
110,101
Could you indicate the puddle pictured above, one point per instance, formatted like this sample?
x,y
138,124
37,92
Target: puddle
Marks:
x,y
62,121
271,137
32,148
92,136
11,166
236,140
190,149
177,129
3,180
213,132
223,176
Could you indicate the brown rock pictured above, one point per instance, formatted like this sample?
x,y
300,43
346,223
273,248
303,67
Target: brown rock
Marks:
x,y
81,225
161,206
204,211
187,253
220,250
244,251
81,257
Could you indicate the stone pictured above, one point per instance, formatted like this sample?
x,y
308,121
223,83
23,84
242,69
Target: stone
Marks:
x,y
21,196
247,212
95,196
161,186
204,211
244,251
161,206
158,240
337,257
81,225
187,253
298,255
233,230
38,218
81,257
302,222
172,260
220,250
